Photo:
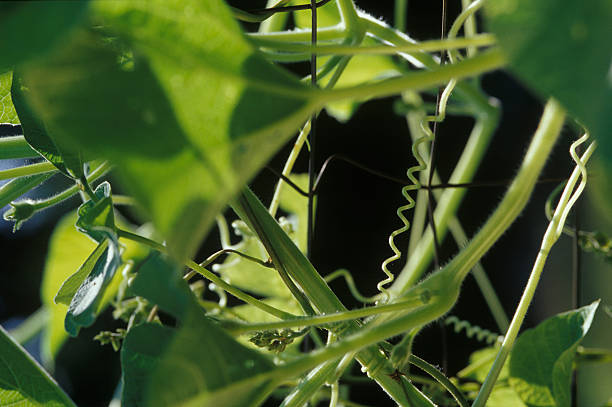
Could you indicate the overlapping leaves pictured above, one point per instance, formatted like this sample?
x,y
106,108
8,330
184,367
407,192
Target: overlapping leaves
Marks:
x,y
192,116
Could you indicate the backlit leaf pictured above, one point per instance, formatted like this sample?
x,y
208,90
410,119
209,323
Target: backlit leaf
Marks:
x,y
7,110
542,358
68,249
23,382
196,100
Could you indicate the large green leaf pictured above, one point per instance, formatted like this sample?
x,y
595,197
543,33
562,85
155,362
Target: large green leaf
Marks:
x,y
23,382
541,360
198,364
194,115
561,50
29,29
7,110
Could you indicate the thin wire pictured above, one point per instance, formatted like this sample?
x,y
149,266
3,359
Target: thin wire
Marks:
x,y
312,138
312,6
430,209
400,181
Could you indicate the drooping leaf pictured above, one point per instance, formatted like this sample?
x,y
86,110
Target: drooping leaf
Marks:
x,y
72,284
30,29
561,51
197,100
23,382
7,110
87,298
97,220
541,360
41,137
68,249
199,364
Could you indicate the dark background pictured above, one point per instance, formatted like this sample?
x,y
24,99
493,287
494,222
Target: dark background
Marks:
x,y
356,213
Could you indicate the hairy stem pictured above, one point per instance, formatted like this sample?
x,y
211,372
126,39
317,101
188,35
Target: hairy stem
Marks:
x,y
550,238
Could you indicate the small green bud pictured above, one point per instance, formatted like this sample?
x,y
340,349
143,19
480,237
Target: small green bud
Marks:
x,y
20,212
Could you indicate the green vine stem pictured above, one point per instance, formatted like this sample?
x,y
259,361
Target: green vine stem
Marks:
x,y
296,322
551,236
15,147
295,152
42,204
444,285
422,80
449,200
303,51
414,119
32,169
19,186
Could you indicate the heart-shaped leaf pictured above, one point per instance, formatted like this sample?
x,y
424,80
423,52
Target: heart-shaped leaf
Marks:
x,y
542,358
192,117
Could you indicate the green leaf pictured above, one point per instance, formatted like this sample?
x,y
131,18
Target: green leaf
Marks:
x,y
97,220
86,301
72,284
504,396
68,249
541,360
30,29
198,99
23,382
561,51
140,353
7,110
41,137
200,364
481,362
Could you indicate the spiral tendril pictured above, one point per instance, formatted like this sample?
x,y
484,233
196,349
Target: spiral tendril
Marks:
x,y
483,335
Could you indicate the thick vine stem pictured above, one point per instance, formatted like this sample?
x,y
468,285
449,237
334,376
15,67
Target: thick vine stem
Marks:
x,y
444,285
